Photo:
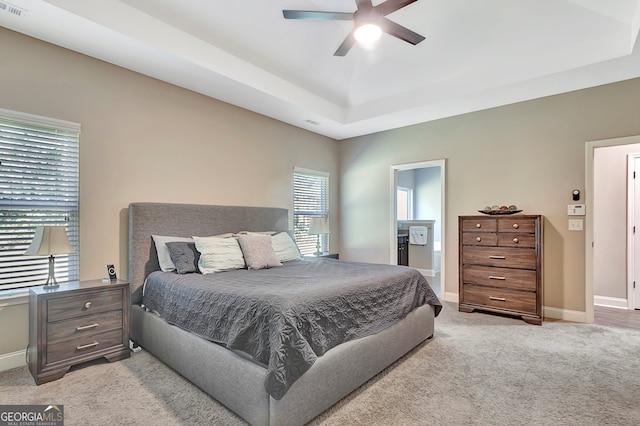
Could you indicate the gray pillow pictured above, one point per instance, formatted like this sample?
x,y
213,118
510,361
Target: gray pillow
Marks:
x,y
184,255
258,251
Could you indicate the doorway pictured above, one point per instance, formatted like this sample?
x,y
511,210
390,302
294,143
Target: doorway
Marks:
x,y
420,187
598,210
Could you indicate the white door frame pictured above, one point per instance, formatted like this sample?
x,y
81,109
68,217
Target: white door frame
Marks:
x,y
588,243
631,212
393,226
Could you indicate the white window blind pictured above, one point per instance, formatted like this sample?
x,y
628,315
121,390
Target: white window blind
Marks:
x,y
310,198
38,186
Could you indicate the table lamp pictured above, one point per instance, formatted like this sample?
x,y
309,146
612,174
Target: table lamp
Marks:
x,y
319,226
50,241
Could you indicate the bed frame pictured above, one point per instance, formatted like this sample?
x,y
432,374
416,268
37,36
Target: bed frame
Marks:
x,y
233,380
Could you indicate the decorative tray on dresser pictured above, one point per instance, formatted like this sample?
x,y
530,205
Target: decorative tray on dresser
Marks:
x,y
501,265
74,323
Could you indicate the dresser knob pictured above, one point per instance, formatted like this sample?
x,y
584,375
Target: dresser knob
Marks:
x,y
478,225
516,226
515,240
478,239
87,305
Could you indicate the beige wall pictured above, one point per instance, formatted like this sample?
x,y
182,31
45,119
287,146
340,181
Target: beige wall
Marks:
x,y
610,227
531,154
145,140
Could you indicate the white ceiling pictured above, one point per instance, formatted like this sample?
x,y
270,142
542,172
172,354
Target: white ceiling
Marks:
x,y
477,54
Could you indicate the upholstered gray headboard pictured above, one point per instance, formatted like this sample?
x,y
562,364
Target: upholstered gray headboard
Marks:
x,y
187,220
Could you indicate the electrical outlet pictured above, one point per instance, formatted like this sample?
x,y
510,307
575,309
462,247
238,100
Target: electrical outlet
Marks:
x,y
575,224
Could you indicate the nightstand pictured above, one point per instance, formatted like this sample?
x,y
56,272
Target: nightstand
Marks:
x,y
324,255
74,323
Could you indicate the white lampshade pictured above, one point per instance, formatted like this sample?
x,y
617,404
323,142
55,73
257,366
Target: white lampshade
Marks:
x,y
319,225
49,240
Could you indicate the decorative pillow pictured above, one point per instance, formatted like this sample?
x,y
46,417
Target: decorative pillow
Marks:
x,y
258,251
285,247
218,254
184,256
164,258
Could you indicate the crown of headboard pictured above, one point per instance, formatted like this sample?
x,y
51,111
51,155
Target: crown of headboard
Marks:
x,y
187,220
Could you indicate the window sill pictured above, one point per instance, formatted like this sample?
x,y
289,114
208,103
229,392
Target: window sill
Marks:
x,y
18,296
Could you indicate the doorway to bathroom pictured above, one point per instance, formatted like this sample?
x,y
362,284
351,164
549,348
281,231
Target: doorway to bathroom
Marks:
x,y
418,219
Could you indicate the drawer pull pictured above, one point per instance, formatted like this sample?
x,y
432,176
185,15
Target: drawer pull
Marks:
x,y
87,346
478,225
516,226
502,299
87,305
493,277
515,240
498,257
478,239
86,327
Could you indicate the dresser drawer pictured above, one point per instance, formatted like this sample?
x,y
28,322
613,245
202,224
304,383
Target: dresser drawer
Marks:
x,y
83,345
480,238
517,279
84,304
514,224
513,300
84,326
479,225
516,240
524,258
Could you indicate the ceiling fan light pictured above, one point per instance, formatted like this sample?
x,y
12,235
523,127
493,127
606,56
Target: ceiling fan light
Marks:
x,y
367,33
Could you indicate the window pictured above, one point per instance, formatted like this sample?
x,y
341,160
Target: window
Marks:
x,y
404,203
38,186
310,199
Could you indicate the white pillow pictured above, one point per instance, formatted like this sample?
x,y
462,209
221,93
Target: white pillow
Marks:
x,y
285,247
218,254
164,258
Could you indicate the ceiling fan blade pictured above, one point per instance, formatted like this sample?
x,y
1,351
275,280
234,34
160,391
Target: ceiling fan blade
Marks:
x,y
317,15
391,6
346,45
400,32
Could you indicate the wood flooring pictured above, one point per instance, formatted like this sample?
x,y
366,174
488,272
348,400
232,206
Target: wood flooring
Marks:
x,y
617,317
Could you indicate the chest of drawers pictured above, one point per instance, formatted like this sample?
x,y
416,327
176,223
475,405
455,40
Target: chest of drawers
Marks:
x,y
501,265
75,323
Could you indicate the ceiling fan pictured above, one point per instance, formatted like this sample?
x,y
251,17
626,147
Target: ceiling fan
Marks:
x,y
367,18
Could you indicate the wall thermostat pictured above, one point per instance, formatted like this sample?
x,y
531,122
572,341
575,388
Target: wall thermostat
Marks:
x,y
111,270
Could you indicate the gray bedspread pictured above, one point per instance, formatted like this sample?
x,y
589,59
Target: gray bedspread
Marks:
x,y
286,317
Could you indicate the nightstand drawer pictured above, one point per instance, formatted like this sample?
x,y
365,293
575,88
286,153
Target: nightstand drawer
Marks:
x,y
84,304
64,350
84,326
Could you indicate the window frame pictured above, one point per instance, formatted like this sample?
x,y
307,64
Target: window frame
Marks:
x,y
302,214
46,151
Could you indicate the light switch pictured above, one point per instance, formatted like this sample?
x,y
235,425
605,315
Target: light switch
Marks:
x,y
575,224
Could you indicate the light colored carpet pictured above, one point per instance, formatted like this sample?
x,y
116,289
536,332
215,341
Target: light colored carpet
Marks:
x,y
478,370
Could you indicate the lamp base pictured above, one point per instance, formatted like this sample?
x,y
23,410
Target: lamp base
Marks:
x,y
51,279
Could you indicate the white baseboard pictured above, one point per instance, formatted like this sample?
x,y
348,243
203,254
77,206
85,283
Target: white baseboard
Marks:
x,y
564,314
427,272
450,297
611,302
12,360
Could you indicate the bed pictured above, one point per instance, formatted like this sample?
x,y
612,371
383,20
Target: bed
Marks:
x,y
264,389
